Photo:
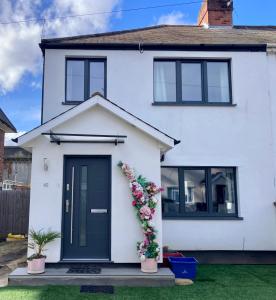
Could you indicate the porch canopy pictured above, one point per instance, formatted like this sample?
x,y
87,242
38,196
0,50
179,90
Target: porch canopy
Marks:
x,y
83,138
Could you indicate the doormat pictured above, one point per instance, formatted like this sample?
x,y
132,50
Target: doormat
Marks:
x,y
84,269
106,289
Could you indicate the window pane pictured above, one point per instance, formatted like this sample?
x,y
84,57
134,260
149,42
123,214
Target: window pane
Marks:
x,y
170,195
195,191
164,81
75,80
96,78
83,208
223,190
218,82
191,82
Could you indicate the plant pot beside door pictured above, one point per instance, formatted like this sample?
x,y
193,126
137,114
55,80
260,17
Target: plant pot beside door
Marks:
x,y
149,265
149,256
39,239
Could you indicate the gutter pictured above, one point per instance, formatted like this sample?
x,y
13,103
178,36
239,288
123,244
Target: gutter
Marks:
x,y
155,46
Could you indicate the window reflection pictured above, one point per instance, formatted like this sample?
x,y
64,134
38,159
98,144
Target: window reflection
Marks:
x,y
170,195
74,80
96,77
223,190
194,185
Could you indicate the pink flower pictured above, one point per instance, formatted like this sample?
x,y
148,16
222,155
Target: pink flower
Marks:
x,y
145,210
138,194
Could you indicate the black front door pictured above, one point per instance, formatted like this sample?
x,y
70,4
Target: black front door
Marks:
x,y
86,209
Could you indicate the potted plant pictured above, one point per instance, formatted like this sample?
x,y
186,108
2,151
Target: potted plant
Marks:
x,y
144,202
39,239
149,255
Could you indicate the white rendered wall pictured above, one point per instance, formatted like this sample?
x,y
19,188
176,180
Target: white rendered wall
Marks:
x,y
140,151
239,136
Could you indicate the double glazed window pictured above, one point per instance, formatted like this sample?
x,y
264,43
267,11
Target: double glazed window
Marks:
x,y
192,81
84,77
196,191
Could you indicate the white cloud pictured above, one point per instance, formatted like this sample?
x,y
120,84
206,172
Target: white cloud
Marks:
x,y
82,24
18,42
10,136
19,49
35,84
173,18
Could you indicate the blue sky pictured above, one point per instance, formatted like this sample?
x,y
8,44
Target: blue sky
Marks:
x,y
20,88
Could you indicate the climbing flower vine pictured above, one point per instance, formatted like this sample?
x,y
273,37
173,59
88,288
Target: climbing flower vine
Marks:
x,y
144,202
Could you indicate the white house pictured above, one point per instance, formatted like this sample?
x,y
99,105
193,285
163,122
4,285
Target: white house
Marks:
x,y
132,96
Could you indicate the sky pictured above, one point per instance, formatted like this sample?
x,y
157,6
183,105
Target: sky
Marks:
x,y
21,58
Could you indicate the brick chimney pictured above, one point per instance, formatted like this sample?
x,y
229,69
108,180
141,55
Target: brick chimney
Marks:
x,y
216,13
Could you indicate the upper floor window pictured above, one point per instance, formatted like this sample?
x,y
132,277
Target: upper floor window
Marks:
x,y
199,192
192,81
84,77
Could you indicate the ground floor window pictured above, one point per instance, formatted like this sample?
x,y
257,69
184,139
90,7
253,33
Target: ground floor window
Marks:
x,y
199,192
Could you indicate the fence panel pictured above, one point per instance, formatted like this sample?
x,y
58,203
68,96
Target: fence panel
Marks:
x,y
14,212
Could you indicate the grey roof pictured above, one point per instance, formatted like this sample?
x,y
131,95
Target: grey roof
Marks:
x,y
4,119
176,35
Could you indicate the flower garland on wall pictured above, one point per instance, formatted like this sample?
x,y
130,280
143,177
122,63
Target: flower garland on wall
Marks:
x,y
144,202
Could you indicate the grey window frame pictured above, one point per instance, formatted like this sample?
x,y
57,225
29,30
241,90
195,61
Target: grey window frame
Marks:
x,y
204,82
202,215
86,82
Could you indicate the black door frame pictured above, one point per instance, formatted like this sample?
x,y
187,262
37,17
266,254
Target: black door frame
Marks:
x,y
65,157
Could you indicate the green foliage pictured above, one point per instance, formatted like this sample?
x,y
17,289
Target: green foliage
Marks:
x,y
120,163
39,239
143,181
151,250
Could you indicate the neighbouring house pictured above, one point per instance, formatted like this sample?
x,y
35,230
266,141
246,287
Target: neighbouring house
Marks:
x,y
17,168
132,96
6,126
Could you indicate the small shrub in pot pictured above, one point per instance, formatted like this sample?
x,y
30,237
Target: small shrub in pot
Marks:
x,y
38,240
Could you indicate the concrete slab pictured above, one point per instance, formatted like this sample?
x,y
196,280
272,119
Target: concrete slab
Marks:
x,y
108,276
12,254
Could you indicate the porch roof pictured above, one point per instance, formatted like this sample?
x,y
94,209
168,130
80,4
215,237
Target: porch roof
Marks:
x,y
97,99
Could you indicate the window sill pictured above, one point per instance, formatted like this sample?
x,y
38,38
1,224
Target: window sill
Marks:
x,y
203,218
193,104
71,102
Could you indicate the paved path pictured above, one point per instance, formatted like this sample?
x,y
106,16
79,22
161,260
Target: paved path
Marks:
x,y
12,255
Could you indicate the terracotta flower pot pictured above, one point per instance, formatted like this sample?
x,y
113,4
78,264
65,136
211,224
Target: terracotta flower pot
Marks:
x,y
36,265
149,265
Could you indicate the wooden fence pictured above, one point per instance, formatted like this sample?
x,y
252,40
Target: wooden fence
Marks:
x,y
14,212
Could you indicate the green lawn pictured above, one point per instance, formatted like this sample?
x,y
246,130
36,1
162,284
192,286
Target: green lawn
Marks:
x,y
213,282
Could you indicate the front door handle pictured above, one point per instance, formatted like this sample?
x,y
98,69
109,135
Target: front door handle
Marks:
x,y
98,211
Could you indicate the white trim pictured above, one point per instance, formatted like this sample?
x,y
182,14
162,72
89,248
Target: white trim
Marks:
x,y
93,101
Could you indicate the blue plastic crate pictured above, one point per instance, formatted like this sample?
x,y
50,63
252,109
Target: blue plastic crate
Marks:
x,y
184,267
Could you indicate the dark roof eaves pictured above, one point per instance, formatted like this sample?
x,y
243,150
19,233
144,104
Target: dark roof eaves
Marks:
x,y
5,120
159,46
